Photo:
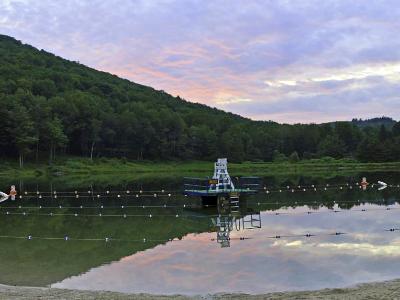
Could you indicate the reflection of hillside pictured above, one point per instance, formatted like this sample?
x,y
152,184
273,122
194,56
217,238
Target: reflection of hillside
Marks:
x,y
344,199
41,262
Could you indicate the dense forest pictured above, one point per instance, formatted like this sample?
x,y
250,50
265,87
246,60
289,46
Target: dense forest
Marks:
x,y
50,106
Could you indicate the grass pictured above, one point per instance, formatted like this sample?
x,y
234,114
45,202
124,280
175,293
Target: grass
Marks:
x,y
76,167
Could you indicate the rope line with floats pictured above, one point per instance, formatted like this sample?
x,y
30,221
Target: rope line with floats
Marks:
x,y
191,205
184,215
315,202
108,239
306,235
141,194
220,181
179,192
68,238
106,207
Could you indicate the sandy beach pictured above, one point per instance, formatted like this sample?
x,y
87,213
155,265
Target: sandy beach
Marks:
x,y
379,290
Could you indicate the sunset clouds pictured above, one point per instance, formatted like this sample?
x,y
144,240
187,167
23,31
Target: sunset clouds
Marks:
x,y
289,61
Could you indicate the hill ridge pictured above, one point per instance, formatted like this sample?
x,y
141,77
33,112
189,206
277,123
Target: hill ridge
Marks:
x,y
53,106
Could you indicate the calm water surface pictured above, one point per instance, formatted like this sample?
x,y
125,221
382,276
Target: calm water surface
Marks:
x,y
182,253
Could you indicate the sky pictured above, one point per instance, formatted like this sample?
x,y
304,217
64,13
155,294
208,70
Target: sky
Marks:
x,y
287,61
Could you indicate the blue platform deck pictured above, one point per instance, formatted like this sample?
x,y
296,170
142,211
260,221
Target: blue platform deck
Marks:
x,y
210,192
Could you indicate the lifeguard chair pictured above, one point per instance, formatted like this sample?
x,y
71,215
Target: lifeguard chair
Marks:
x,y
221,181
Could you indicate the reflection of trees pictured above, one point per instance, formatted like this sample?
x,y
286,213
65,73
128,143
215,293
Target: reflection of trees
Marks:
x,y
42,262
344,199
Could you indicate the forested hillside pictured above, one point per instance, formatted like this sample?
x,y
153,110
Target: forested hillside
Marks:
x,y
50,106
387,122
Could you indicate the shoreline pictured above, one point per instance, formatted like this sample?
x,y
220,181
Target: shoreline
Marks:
x,y
375,290
75,167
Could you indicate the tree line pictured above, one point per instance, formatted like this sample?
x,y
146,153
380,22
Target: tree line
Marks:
x,y
50,106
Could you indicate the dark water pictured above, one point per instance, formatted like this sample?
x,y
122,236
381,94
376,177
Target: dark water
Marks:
x,y
165,244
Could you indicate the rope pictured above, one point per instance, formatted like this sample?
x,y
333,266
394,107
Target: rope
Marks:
x,y
106,207
107,192
162,193
305,235
291,203
179,192
30,237
150,215
190,205
76,196
68,238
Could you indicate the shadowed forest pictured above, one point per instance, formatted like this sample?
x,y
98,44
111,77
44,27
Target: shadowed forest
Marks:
x,y
50,106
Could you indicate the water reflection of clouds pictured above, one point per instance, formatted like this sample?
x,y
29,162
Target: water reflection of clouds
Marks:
x,y
197,266
347,248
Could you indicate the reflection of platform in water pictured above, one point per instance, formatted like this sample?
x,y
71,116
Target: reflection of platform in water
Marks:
x,y
210,193
233,215
226,224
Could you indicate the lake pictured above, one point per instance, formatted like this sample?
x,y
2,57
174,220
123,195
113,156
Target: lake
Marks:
x,y
145,236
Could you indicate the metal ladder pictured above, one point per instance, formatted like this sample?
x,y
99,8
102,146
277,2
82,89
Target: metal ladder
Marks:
x,y
234,202
225,226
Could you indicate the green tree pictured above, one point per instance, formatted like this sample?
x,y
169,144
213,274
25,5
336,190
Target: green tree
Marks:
x,y
94,135
396,129
279,157
231,144
203,142
45,87
22,131
56,135
332,146
371,149
349,134
383,133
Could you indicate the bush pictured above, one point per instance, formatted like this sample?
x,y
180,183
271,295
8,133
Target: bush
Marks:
x,y
279,157
294,157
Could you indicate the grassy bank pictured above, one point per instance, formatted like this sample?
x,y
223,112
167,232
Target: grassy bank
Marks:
x,y
84,167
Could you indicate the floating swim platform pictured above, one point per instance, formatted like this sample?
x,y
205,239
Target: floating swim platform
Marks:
x,y
212,192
